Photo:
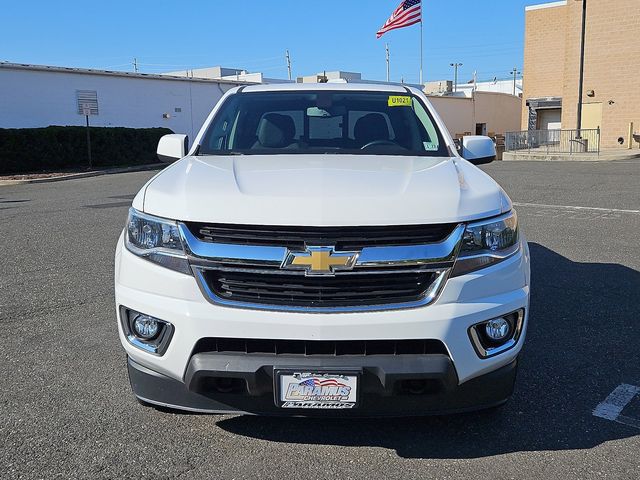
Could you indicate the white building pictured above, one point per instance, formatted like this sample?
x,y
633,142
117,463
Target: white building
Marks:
x,y
39,96
231,74
495,86
446,87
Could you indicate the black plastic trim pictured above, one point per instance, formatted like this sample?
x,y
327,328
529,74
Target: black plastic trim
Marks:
x,y
378,395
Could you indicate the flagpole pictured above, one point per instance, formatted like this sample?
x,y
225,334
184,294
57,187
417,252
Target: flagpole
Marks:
x,y
421,46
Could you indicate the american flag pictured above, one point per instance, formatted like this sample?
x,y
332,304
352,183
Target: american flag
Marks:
x,y
409,12
314,382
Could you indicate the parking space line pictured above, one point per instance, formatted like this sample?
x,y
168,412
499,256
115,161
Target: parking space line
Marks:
x,y
613,405
572,207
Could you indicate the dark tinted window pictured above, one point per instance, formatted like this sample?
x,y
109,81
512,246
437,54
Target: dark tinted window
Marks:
x,y
323,122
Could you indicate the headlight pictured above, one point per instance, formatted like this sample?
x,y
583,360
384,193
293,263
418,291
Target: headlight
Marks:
x,y
487,242
157,240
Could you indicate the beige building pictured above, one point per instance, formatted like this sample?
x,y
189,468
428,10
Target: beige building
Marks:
x,y
611,93
484,113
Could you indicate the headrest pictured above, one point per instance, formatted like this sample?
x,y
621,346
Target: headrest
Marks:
x,y
276,131
371,127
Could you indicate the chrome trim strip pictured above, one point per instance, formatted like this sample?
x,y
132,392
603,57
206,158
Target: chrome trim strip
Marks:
x,y
230,253
429,297
147,347
278,271
444,252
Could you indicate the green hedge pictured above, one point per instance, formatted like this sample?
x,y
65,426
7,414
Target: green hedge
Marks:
x,y
25,150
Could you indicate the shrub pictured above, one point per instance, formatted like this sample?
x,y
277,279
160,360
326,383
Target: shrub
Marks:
x,y
25,150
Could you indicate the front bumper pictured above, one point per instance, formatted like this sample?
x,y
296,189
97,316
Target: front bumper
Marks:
x,y
464,301
382,392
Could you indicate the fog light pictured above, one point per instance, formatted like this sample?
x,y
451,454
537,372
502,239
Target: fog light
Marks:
x,y
495,336
497,329
145,327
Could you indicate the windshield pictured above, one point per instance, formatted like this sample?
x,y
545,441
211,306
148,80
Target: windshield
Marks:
x,y
323,122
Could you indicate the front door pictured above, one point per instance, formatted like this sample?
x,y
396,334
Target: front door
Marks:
x,y
549,119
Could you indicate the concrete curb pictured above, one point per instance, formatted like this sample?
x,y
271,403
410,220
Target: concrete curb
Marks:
x,y
97,173
542,157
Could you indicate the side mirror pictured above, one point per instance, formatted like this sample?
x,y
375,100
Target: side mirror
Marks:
x,y
478,149
172,147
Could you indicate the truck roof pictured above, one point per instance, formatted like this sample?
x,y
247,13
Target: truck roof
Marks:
x,y
305,87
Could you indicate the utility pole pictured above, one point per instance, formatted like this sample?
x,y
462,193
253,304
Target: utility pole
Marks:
x,y
135,65
455,81
288,57
515,77
386,46
581,81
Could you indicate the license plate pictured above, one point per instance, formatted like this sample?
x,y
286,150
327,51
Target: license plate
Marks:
x,y
331,391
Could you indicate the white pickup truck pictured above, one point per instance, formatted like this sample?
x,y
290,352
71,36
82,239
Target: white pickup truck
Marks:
x,y
322,250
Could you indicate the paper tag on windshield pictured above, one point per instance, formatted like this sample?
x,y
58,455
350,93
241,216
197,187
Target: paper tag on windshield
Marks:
x,y
399,101
430,147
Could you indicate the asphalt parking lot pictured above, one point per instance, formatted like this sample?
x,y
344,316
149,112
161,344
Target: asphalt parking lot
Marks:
x,y
66,410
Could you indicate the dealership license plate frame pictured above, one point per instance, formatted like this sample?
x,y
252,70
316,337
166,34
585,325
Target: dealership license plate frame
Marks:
x,y
354,374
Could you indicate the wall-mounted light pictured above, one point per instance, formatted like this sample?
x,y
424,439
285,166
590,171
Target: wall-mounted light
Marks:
x,y
166,115
611,102
591,93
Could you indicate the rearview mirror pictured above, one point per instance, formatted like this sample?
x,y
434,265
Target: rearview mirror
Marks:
x,y
172,147
478,149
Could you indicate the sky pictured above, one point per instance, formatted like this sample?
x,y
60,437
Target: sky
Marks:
x,y
486,36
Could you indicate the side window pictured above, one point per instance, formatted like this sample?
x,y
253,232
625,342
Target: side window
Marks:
x,y
221,137
355,115
428,132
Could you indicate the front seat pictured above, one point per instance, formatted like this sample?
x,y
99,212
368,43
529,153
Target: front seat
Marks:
x,y
275,131
369,128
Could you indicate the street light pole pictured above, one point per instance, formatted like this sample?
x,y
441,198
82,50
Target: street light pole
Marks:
x,y
288,58
581,81
515,79
455,75
388,60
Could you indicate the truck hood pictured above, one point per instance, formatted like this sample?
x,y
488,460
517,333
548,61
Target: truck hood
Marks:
x,y
322,190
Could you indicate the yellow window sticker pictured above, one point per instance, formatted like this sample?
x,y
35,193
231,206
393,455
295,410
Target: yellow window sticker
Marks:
x,y
399,101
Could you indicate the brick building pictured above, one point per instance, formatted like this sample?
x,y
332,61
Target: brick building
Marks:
x,y
611,95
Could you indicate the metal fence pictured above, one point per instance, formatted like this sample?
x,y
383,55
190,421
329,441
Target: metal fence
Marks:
x,y
554,141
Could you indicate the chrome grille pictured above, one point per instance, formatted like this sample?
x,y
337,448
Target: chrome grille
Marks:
x,y
248,270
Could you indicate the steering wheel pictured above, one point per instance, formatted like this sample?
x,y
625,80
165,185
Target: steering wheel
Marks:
x,y
379,142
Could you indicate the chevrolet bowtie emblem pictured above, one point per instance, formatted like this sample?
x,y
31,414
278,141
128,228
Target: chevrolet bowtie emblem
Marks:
x,y
320,261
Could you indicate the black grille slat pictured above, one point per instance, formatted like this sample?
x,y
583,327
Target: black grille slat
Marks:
x,y
313,295
309,291
284,285
343,238
320,347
